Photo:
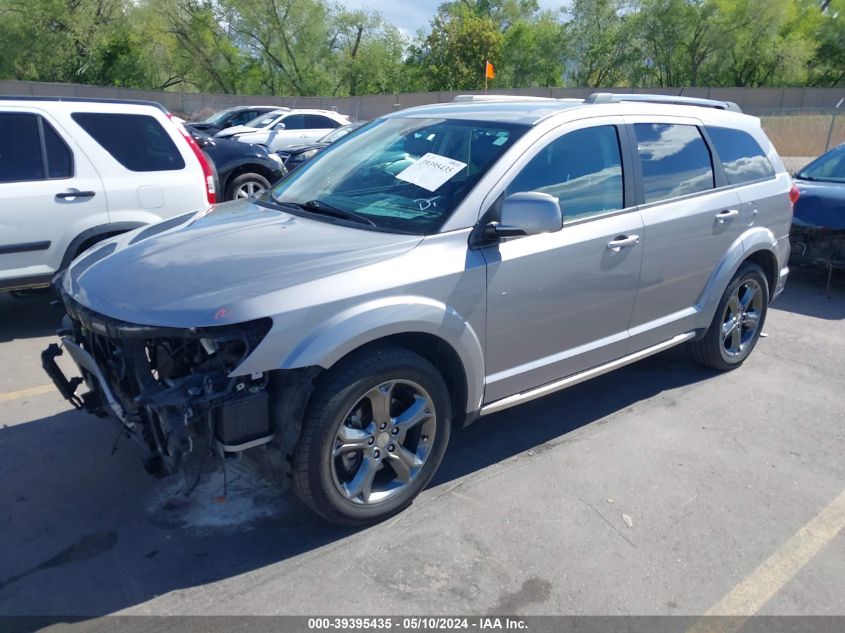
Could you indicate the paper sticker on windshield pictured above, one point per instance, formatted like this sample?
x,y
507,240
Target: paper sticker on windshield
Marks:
x,y
431,171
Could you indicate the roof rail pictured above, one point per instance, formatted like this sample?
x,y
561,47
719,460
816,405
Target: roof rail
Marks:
x,y
499,97
611,97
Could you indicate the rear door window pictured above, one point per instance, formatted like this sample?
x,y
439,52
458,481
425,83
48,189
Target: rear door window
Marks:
x,y
742,157
317,122
675,160
136,141
59,156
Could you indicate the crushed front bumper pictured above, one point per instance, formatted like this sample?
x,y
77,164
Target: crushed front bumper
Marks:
x,y
165,387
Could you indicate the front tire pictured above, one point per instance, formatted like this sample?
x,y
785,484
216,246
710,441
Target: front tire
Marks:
x,y
738,321
374,434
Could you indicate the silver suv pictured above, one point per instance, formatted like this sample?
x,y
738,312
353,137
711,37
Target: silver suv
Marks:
x,y
439,264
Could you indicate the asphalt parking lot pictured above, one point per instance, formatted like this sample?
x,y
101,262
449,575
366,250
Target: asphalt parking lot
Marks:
x,y
662,488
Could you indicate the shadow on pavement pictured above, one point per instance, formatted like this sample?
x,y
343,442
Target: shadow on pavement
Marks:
x,y
86,533
806,294
29,316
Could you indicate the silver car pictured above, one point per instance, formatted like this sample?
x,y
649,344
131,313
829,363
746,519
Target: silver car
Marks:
x,y
440,264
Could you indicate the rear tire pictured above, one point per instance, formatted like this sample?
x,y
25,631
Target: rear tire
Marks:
x,y
374,433
738,321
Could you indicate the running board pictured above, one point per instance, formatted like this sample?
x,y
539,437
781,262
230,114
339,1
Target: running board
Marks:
x,y
569,381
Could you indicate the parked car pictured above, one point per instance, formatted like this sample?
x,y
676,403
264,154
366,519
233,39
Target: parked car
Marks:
x,y
243,170
348,318
76,171
277,129
298,153
228,118
818,228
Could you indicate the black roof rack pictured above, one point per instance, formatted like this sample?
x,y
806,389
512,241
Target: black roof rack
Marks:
x,y
155,104
611,97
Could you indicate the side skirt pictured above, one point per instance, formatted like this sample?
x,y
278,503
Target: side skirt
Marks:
x,y
574,379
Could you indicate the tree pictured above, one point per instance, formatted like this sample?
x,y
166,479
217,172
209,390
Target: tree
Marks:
x,y
597,42
759,44
454,53
533,53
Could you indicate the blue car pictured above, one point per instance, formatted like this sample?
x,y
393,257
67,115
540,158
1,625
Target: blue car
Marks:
x,y
818,225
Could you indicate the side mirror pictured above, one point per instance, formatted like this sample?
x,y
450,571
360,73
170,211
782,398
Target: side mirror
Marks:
x,y
527,213
279,126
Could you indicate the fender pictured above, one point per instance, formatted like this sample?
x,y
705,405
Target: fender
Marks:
x,y
753,240
330,341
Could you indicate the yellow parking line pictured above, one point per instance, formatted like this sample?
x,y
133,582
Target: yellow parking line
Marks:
x,y
749,596
24,393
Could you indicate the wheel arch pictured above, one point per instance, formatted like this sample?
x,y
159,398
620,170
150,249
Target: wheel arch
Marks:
x,y
427,327
758,245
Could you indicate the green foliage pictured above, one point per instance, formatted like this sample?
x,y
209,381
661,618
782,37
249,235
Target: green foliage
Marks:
x,y
455,51
318,47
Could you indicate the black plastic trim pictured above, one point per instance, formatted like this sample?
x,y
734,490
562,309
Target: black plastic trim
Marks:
x,y
24,247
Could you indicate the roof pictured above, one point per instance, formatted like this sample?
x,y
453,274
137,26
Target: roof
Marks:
x,y
532,110
83,100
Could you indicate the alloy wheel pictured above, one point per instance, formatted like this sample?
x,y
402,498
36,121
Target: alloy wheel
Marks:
x,y
383,442
741,318
249,189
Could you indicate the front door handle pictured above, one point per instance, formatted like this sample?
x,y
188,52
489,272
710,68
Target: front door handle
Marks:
x,y
727,214
73,195
622,241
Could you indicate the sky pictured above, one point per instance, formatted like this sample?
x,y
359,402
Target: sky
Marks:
x,y
411,15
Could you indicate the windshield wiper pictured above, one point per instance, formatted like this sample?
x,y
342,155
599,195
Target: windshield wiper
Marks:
x,y
321,208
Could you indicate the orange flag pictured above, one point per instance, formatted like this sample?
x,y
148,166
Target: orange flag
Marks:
x,y
489,71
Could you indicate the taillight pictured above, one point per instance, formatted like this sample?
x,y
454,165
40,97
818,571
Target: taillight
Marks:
x,y
794,194
207,172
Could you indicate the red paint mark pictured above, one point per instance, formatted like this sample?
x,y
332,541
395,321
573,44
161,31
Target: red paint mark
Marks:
x,y
220,314
220,499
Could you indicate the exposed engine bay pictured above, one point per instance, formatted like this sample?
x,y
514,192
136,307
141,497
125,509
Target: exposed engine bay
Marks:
x,y
170,389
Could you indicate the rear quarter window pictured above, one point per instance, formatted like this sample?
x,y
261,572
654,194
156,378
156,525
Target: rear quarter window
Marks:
x,y
136,141
742,157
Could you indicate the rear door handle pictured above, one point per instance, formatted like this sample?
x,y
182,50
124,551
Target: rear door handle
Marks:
x,y
727,214
73,195
622,241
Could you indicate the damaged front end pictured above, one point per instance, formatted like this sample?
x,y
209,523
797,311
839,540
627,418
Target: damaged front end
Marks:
x,y
168,388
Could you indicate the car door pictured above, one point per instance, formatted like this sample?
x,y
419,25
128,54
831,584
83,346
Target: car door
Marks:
x,y
291,132
690,224
50,193
559,303
317,126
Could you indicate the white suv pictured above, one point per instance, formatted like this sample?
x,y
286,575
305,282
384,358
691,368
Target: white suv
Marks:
x,y
75,171
283,127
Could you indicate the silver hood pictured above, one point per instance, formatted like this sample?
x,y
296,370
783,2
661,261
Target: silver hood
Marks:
x,y
196,270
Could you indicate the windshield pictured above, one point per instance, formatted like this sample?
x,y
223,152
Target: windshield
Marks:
x,y
401,174
829,167
264,120
219,117
339,133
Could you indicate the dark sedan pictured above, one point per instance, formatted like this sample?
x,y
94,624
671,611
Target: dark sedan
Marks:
x,y
818,225
228,118
243,169
294,155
